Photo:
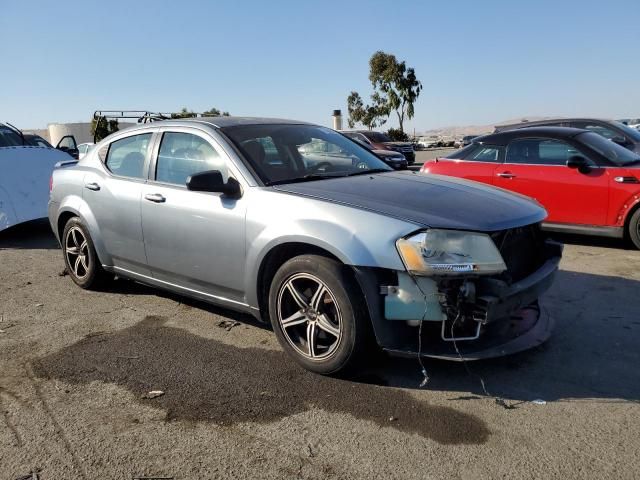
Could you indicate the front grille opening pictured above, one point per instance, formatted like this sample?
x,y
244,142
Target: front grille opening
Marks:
x,y
522,249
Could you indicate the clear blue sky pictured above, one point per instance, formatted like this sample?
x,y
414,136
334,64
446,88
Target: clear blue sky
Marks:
x,y
479,61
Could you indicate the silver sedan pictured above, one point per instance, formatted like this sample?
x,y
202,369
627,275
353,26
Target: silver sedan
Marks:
x,y
338,252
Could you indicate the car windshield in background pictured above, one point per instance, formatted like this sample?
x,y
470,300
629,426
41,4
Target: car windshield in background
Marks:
x,y
630,132
377,137
611,150
294,153
9,138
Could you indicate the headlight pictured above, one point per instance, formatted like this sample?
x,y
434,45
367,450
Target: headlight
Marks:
x,y
450,252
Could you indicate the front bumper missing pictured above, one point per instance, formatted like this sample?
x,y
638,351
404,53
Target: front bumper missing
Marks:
x,y
508,315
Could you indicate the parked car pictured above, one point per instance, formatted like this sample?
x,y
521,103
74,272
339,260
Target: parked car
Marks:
x,y
395,160
83,149
610,129
381,141
467,139
336,257
428,142
587,183
36,140
25,170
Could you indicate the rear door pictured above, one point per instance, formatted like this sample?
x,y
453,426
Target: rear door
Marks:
x,y
114,198
195,240
536,167
476,162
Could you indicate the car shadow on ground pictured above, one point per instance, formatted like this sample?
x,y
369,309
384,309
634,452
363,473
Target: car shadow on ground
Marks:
x,y
34,235
592,353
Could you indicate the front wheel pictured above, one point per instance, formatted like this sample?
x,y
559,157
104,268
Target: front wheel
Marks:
x,y
634,229
318,314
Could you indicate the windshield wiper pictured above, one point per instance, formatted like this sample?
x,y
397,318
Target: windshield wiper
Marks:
x,y
365,172
306,178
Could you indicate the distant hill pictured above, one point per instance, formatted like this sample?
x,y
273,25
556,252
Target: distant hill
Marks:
x,y
460,131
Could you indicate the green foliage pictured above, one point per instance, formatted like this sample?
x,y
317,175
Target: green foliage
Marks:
x,y
214,112
102,128
396,88
397,135
396,82
371,116
184,113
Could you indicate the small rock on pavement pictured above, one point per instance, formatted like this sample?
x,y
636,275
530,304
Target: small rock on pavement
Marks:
x,y
153,394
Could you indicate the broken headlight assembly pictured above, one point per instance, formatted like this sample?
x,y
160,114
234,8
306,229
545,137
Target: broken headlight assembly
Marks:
x,y
450,252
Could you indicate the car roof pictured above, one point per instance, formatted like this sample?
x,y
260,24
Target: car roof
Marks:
x,y
534,123
222,122
504,137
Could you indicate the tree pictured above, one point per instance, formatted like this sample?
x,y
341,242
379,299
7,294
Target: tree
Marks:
x,y
371,116
397,83
184,113
101,128
397,135
214,112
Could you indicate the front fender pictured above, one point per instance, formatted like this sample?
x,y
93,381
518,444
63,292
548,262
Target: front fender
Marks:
x,y
354,237
78,207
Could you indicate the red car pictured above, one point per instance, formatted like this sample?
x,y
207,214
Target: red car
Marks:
x,y
588,184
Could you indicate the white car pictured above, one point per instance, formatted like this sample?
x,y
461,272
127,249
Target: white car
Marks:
x,y
25,172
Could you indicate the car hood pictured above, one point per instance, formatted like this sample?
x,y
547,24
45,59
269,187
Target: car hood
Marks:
x,y
426,200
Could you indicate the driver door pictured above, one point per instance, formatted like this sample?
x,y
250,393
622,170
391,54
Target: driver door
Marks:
x,y
194,240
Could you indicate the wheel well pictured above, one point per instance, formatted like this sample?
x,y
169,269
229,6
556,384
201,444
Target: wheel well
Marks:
x,y
274,260
62,221
627,219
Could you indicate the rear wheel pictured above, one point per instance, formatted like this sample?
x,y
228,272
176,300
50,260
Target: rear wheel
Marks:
x,y
80,256
318,314
634,228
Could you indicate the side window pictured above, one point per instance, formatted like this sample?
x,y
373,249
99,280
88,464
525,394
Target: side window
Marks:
x,y
125,157
184,154
540,152
484,153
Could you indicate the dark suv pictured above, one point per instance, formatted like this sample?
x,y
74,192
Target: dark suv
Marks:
x,y
381,141
615,131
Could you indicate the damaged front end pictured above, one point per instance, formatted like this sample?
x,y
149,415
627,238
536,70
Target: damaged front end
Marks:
x,y
470,295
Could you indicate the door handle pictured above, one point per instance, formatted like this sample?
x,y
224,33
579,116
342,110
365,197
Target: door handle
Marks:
x,y
92,186
154,197
506,175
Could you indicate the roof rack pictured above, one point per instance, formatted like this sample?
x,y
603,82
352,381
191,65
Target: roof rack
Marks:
x,y
142,116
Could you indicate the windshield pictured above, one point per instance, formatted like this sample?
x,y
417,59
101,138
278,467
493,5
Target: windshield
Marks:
x,y
292,153
8,137
377,137
629,132
611,150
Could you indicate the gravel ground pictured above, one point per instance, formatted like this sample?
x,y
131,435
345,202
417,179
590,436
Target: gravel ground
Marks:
x,y
76,368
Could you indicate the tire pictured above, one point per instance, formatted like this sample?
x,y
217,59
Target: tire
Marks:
x,y
634,229
80,258
316,297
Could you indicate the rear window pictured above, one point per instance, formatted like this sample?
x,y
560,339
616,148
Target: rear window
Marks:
x,y
479,153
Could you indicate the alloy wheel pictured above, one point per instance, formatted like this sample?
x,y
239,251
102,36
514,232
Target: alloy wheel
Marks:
x,y
76,249
309,316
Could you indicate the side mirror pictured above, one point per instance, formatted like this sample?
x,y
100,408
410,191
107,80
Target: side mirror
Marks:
x,y
580,163
619,140
211,181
